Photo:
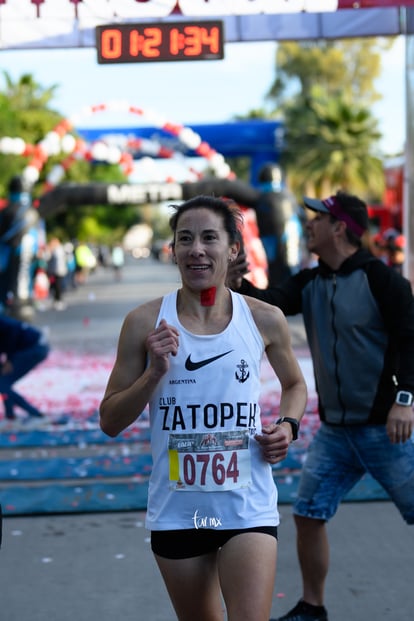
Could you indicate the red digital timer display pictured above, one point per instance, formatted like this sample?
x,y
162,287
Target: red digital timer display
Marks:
x,y
152,42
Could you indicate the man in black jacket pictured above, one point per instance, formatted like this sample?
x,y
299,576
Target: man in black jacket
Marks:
x,y
359,320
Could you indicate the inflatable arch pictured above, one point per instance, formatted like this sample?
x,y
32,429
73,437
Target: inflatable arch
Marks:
x,y
59,196
60,140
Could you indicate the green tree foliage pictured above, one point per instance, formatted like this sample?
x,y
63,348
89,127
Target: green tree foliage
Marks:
x,y
344,68
323,91
330,146
9,126
30,102
26,112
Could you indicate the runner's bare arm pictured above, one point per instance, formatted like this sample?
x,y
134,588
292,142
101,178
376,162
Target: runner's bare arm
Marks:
x,y
274,328
142,359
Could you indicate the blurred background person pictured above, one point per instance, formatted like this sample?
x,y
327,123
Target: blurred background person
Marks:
x,y
85,262
117,260
280,225
57,270
22,347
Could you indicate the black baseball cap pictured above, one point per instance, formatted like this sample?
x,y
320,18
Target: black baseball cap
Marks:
x,y
345,207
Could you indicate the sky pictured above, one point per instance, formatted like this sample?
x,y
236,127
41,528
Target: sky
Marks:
x,y
187,92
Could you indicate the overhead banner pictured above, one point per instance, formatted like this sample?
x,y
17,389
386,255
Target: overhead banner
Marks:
x,y
72,23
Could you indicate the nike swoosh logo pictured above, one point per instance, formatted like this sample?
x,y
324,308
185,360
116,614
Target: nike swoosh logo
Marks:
x,y
193,366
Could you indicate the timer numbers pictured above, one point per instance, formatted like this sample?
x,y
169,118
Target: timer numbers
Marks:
x,y
174,41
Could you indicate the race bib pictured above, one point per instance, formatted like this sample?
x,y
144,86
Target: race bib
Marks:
x,y
209,462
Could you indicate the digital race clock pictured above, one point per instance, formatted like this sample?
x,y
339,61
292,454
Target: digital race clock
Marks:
x,y
152,42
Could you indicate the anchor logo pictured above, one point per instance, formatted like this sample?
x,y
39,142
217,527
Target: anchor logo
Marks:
x,y
243,373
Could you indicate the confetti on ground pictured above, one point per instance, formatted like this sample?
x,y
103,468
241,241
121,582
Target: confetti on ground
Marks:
x,y
65,463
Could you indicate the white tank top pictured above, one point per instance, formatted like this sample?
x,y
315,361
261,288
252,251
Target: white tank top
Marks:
x,y
208,470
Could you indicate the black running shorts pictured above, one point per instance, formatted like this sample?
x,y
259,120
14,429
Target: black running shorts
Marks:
x,y
176,544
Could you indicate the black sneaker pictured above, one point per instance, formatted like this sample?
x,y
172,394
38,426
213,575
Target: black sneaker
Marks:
x,y
304,612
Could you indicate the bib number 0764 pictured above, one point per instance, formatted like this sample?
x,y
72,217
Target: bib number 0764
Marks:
x,y
216,465
209,462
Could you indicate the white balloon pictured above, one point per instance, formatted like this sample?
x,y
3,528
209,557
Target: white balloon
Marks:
x,y
30,175
113,155
68,143
189,138
6,145
19,146
56,174
99,151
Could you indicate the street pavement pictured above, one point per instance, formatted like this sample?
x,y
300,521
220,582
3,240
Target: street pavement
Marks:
x,y
99,566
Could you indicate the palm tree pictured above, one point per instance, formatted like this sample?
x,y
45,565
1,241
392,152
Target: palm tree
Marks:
x,y
27,93
330,144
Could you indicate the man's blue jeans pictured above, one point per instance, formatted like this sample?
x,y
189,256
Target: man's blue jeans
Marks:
x,y
338,457
22,362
